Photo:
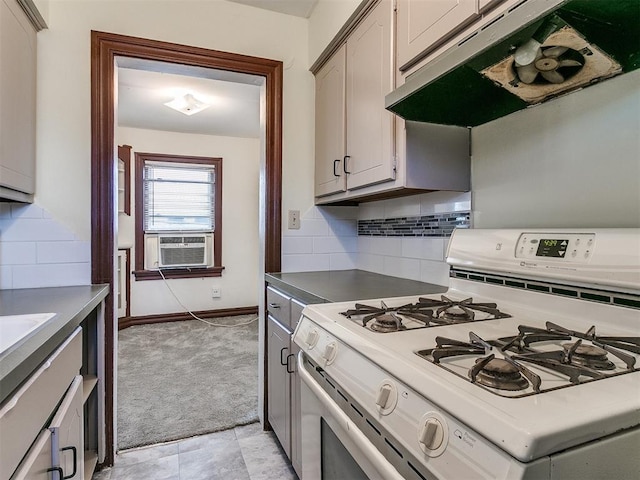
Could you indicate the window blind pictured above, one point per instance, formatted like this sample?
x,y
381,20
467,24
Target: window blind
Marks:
x,y
179,196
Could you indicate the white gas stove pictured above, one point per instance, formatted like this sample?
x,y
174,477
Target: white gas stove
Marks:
x,y
527,367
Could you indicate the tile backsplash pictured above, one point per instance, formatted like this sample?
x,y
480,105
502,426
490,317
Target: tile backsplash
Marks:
x,y
327,240
36,251
440,225
419,252
373,237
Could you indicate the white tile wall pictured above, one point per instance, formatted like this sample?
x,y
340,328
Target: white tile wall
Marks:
x,y
36,251
416,258
327,240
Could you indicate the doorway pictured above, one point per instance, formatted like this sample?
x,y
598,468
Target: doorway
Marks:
x,y
105,47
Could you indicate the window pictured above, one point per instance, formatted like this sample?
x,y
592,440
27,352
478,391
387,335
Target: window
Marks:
x,y
178,195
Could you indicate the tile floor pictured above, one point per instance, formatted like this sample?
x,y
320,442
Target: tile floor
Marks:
x,y
241,453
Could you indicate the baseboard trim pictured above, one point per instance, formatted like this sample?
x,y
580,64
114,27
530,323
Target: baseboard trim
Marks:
x,y
125,322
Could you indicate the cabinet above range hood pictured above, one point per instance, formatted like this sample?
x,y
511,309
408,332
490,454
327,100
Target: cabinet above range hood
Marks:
x,y
532,53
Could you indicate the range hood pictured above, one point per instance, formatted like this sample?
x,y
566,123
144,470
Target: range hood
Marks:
x,y
536,51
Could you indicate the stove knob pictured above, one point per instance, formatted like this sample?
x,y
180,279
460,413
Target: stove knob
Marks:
x,y
387,398
330,353
383,396
312,338
433,434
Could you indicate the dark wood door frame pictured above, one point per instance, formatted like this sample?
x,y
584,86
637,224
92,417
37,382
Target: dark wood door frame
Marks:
x,y
105,47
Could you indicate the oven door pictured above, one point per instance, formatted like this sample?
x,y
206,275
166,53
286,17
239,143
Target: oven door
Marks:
x,y
333,448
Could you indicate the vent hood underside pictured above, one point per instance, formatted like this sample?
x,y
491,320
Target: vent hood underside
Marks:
x,y
455,88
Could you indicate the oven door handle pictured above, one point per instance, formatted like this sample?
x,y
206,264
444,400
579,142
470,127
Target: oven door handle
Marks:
x,y
381,464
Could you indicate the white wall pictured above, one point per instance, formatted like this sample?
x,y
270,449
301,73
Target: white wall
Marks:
x,y
326,20
571,162
64,112
240,170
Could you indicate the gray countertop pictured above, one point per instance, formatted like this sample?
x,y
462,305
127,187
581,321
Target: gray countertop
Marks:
x,y
345,285
71,305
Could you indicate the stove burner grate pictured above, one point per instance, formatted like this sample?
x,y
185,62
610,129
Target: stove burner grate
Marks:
x,y
426,313
462,311
385,319
506,364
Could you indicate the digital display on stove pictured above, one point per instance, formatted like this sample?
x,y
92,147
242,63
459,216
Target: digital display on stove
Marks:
x,y
552,248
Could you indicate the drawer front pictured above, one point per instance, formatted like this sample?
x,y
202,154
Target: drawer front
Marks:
x,y
27,411
37,463
296,311
278,305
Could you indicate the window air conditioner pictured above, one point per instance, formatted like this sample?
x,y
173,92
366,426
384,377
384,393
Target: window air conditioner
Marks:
x,y
178,250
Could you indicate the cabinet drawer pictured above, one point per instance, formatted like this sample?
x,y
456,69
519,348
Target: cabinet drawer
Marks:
x,y
37,463
278,305
27,411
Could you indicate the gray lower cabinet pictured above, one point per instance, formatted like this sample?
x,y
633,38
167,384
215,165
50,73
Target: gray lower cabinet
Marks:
x,y
283,382
54,389
279,382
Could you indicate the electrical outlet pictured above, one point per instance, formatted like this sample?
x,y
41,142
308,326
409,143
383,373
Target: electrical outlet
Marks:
x,y
294,219
216,292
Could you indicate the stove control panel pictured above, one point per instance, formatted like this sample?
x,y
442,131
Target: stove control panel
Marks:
x,y
556,247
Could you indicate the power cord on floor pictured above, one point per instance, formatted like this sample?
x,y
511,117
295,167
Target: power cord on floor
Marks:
x,y
194,315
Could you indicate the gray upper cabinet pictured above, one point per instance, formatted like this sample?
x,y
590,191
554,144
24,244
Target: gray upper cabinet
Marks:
x,y
17,103
423,25
363,152
354,133
331,125
370,128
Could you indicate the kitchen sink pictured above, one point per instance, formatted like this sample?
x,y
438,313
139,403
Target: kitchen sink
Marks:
x,y
14,328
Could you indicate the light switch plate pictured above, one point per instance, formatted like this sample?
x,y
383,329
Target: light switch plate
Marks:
x,y
294,219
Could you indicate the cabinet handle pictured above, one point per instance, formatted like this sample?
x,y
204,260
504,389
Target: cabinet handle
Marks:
x,y
274,305
57,469
282,362
75,462
344,164
335,162
288,357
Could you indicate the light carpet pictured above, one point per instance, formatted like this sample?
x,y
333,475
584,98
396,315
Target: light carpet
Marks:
x,y
180,379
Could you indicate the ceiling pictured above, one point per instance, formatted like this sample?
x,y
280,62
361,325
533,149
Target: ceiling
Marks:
x,y
145,86
298,8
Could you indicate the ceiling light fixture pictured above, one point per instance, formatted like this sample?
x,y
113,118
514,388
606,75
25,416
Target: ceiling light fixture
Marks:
x,y
187,104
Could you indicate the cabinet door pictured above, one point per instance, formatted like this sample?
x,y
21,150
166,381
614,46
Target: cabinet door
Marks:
x,y
330,125
17,99
37,463
370,146
278,384
67,431
423,24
